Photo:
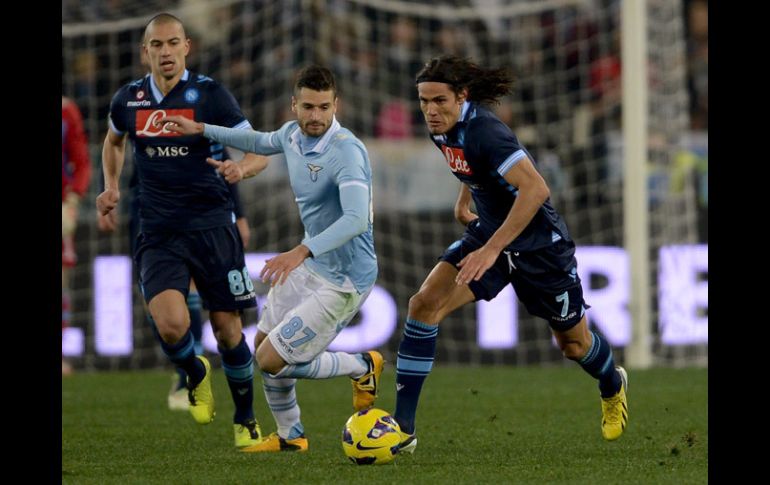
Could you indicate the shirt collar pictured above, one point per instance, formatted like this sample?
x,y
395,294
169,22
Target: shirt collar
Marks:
x,y
457,129
322,143
464,111
156,92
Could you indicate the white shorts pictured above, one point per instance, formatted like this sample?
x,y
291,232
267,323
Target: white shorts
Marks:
x,y
306,313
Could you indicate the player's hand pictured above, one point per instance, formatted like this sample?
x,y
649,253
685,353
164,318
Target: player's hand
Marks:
x,y
474,265
180,124
277,269
231,171
107,222
107,200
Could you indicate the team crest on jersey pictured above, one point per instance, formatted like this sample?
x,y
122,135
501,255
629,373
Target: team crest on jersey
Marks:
x,y
314,169
191,95
147,121
456,160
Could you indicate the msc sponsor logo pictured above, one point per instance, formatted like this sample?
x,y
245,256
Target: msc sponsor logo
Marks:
x,y
456,160
167,151
147,121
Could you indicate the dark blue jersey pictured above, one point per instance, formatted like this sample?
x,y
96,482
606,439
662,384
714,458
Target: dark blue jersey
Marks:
x,y
133,183
178,189
480,149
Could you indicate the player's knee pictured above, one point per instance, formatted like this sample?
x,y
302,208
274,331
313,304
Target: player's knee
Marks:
x,y
268,359
258,338
171,326
227,337
227,328
424,302
270,365
573,349
171,333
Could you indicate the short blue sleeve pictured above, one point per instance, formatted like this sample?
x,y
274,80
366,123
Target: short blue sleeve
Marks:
x,y
117,117
225,109
492,142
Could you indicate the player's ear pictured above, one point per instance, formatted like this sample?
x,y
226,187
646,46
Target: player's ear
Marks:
x,y
186,46
294,105
462,95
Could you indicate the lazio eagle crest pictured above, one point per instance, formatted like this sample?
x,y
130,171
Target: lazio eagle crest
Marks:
x,y
314,169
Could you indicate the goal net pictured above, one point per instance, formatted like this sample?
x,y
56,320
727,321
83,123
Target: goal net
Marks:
x,y
566,109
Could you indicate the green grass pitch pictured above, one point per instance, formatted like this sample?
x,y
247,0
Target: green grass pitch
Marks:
x,y
475,425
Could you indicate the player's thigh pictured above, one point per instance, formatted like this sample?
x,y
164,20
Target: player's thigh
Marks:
x,y
161,264
218,266
309,328
546,282
283,298
440,293
491,283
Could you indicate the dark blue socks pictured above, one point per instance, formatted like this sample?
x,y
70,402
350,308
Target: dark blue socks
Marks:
x,y
182,354
415,361
239,371
599,363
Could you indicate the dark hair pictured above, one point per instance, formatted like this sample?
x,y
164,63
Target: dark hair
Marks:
x,y
317,78
484,85
162,18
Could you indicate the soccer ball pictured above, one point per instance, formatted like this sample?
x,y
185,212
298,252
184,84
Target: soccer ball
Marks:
x,y
371,437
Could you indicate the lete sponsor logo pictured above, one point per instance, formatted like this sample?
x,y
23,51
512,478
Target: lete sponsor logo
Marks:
x,y
147,121
456,160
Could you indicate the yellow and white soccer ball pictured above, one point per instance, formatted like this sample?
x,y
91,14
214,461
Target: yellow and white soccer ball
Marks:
x,y
371,437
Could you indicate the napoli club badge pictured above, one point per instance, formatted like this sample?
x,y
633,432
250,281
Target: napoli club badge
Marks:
x,y
191,95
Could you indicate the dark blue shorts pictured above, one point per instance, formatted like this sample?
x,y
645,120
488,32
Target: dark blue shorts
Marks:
x,y
212,257
545,280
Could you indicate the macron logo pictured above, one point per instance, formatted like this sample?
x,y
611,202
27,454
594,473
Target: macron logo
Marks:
x,y
399,387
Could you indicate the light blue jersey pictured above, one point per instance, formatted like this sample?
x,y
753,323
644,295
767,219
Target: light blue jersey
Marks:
x,y
332,183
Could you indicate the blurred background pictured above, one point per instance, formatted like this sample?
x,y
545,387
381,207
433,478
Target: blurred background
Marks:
x,y
566,109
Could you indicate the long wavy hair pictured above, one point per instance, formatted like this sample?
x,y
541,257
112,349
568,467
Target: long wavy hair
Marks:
x,y
484,85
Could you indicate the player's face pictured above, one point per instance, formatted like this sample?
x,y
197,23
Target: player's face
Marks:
x,y
166,47
314,110
440,106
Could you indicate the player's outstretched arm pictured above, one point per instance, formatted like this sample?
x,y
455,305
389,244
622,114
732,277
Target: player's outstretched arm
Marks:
x,y
180,124
234,172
